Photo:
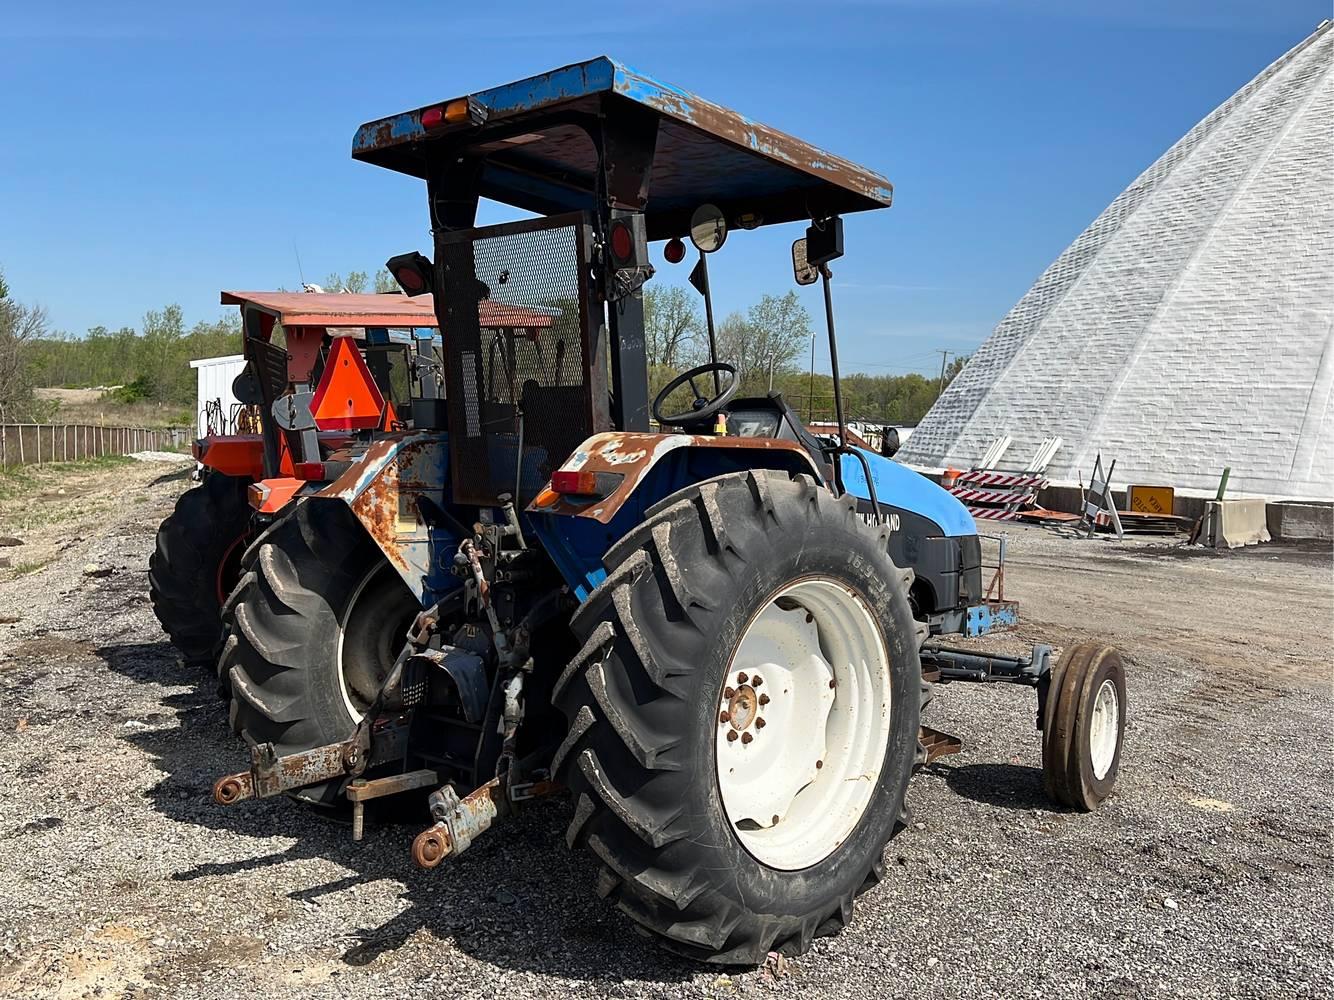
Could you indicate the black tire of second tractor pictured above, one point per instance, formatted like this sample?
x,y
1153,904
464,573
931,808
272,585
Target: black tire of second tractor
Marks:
x,y
641,699
280,660
193,564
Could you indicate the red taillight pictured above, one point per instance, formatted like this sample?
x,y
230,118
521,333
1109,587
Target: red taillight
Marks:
x,y
453,113
410,281
622,242
575,483
309,470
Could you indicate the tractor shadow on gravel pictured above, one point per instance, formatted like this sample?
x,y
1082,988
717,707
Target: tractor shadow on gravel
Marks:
x,y
1008,786
518,899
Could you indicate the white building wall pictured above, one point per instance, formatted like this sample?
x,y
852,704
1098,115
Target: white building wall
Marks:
x,y
1191,326
214,377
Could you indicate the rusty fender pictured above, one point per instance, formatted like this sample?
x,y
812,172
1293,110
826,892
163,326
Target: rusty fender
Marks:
x,y
381,489
632,454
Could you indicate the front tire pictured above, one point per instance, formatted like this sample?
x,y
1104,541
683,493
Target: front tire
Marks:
x,y
196,562
740,575
314,626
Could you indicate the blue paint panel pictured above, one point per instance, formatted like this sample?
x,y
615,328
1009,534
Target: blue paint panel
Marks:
x,y
603,75
898,485
993,616
565,84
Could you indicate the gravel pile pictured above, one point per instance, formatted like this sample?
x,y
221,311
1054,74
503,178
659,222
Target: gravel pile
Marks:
x,y
1207,874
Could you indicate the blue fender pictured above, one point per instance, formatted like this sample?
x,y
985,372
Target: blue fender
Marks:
x,y
898,486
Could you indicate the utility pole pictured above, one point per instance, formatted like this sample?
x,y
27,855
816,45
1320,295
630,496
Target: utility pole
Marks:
x,y
944,357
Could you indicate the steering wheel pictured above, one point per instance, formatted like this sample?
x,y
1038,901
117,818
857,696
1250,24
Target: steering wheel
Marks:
x,y
704,406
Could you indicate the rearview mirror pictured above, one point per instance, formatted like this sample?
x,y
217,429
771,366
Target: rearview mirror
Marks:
x,y
803,272
708,228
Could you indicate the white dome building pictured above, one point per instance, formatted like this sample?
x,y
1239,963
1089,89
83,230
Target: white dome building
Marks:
x,y
1191,326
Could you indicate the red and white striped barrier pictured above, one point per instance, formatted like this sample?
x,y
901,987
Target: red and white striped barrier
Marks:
x,y
982,477
995,496
994,513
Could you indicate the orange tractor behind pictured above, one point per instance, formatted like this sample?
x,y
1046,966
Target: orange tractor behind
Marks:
x,y
322,372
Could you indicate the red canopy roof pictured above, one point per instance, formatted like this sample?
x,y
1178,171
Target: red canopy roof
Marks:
x,y
342,309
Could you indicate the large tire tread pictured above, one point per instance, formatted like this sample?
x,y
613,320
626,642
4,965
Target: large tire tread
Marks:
x,y
624,739
182,570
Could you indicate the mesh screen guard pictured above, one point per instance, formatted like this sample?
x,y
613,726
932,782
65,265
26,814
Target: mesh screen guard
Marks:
x,y
516,320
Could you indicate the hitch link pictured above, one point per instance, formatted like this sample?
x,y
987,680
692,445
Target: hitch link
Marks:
x,y
271,775
458,821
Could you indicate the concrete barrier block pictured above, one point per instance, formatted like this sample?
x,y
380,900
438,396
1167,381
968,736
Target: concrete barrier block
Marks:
x,y
1230,524
1301,521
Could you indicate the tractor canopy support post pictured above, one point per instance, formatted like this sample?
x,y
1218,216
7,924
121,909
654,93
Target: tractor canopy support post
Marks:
x,y
629,140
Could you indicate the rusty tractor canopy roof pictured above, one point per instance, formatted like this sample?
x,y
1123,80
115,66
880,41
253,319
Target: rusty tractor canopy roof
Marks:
x,y
332,309
537,159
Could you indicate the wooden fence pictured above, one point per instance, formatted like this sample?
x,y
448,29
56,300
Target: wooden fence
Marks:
x,y
37,444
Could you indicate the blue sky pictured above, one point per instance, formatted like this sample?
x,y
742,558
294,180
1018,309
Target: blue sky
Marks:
x,y
158,153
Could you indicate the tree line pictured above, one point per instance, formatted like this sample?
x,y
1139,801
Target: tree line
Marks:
x,y
767,343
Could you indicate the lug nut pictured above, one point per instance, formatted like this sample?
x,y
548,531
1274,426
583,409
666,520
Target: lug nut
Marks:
x,y
833,683
745,737
724,717
764,699
775,822
757,681
819,764
728,693
742,678
759,723
732,735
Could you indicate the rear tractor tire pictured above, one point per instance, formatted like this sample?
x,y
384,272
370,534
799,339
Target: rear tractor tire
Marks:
x,y
743,716
1084,723
196,562
314,627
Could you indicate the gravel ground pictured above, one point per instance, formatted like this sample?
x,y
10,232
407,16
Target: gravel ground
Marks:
x,y
1207,874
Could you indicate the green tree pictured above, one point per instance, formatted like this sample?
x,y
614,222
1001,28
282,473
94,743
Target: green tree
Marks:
x,y
384,282
355,283
20,328
770,336
672,324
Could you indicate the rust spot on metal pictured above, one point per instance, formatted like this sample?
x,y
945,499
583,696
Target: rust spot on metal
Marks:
x,y
232,788
741,707
430,847
937,744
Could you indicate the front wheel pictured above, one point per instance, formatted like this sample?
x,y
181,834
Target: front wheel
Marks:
x,y
743,716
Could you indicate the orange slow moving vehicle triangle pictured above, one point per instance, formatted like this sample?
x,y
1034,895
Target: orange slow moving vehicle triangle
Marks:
x,y
347,398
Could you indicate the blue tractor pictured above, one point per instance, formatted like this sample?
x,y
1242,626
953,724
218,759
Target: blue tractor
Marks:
x,y
717,635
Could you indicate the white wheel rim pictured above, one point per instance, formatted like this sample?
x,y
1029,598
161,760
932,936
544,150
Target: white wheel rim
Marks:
x,y
1104,729
803,723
